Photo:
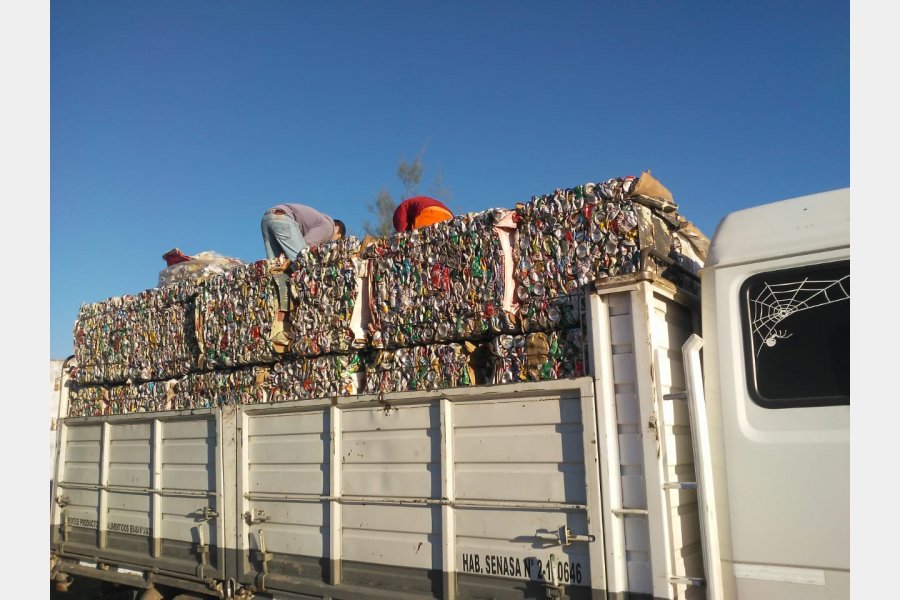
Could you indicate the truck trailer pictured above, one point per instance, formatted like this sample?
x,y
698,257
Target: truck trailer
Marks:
x,y
701,451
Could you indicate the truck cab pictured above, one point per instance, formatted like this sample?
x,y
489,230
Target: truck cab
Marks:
x,y
776,355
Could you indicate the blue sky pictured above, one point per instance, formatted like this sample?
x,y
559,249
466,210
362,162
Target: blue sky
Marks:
x,y
177,124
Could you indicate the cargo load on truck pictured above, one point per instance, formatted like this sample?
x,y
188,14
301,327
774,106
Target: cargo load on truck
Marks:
x,y
487,297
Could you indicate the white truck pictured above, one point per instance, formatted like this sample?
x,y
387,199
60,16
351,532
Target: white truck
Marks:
x,y
705,455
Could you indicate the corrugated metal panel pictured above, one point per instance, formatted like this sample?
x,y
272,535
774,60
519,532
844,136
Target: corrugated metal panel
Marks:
x,y
137,489
391,454
489,480
519,451
81,463
287,455
130,455
528,452
188,459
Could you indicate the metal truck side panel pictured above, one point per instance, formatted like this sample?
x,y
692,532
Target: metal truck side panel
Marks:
x,y
141,491
498,480
652,530
57,377
480,492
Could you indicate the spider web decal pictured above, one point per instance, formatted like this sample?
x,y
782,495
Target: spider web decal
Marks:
x,y
776,302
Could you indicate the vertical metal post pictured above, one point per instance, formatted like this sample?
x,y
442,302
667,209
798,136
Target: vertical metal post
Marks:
x,y
709,527
600,345
335,471
226,488
648,396
592,485
57,515
448,495
156,486
103,508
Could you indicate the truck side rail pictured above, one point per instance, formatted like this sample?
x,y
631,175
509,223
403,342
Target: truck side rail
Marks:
x,y
693,373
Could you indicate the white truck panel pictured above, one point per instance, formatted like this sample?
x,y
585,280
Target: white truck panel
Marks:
x,y
398,535
782,475
56,389
150,495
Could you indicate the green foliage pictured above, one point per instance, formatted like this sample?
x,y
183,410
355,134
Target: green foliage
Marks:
x,y
410,176
383,208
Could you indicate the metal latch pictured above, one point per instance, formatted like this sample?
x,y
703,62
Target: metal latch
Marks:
x,y
565,537
551,588
62,500
262,557
202,551
206,513
255,516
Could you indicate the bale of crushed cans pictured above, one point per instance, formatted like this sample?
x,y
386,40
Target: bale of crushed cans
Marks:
x,y
318,377
224,321
142,337
428,367
539,356
234,318
437,284
328,313
290,379
589,233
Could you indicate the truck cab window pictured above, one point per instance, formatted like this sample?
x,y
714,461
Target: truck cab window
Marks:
x,y
797,335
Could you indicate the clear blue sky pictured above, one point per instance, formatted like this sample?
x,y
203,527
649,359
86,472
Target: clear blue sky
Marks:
x,y
177,124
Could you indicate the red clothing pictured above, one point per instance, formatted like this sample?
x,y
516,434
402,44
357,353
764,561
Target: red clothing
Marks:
x,y
405,214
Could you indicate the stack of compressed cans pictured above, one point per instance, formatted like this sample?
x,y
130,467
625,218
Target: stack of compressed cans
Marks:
x,y
565,240
490,297
326,299
568,239
437,284
143,337
319,377
539,356
289,379
235,314
417,368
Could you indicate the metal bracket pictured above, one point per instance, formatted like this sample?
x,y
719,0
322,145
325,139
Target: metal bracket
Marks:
x,y
262,557
565,537
552,588
255,516
689,581
207,513
202,551
64,529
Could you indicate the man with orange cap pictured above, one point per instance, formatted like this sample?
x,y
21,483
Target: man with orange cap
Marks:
x,y
420,211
